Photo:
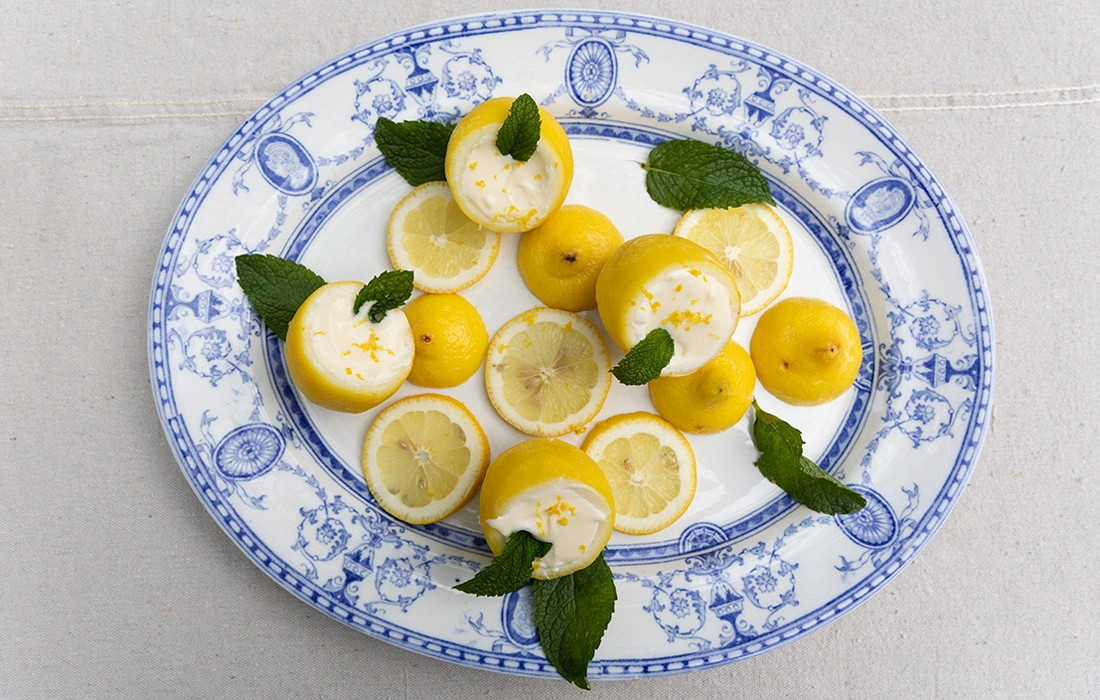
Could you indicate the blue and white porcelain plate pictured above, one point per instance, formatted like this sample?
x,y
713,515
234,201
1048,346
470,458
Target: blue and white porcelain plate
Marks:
x,y
745,569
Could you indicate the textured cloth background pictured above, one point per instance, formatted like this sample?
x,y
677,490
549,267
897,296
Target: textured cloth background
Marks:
x,y
116,582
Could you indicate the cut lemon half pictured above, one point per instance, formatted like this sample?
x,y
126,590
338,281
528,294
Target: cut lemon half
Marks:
x,y
494,189
547,372
650,466
753,241
341,360
424,458
555,492
662,281
430,235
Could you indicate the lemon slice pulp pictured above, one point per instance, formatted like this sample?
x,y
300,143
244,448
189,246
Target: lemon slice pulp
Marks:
x,y
429,234
753,241
424,458
547,372
650,466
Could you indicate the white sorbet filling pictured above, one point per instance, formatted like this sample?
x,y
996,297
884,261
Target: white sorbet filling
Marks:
x,y
695,310
567,514
505,190
351,349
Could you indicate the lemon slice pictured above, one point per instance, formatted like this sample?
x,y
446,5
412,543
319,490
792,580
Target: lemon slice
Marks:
x,y
497,191
753,241
555,492
547,372
430,235
424,457
651,469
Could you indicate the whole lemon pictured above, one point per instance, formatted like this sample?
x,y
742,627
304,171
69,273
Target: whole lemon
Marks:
x,y
710,399
806,351
561,258
449,338
545,487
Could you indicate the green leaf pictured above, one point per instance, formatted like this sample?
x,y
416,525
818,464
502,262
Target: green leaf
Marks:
x,y
416,150
519,134
645,360
276,287
511,569
571,614
387,290
781,462
687,174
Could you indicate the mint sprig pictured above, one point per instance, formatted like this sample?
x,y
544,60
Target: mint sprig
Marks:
x,y
646,360
571,614
511,569
417,150
519,134
687,174
388,290
781,462
276,287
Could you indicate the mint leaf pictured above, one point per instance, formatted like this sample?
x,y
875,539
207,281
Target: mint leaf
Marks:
x,y
276,287
782,463
509,570
416,150
645,360
387,290
571,614
519,134
687,174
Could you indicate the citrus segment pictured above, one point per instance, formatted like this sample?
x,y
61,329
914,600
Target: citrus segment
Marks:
x,y
555,492
424,457
753,241
449,337
341,360
547,372
429,234
497,191
650,467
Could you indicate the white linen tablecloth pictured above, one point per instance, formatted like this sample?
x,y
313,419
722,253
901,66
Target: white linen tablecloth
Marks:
x,y
116,583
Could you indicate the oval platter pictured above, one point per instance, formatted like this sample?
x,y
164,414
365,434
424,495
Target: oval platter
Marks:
x,y
746,569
